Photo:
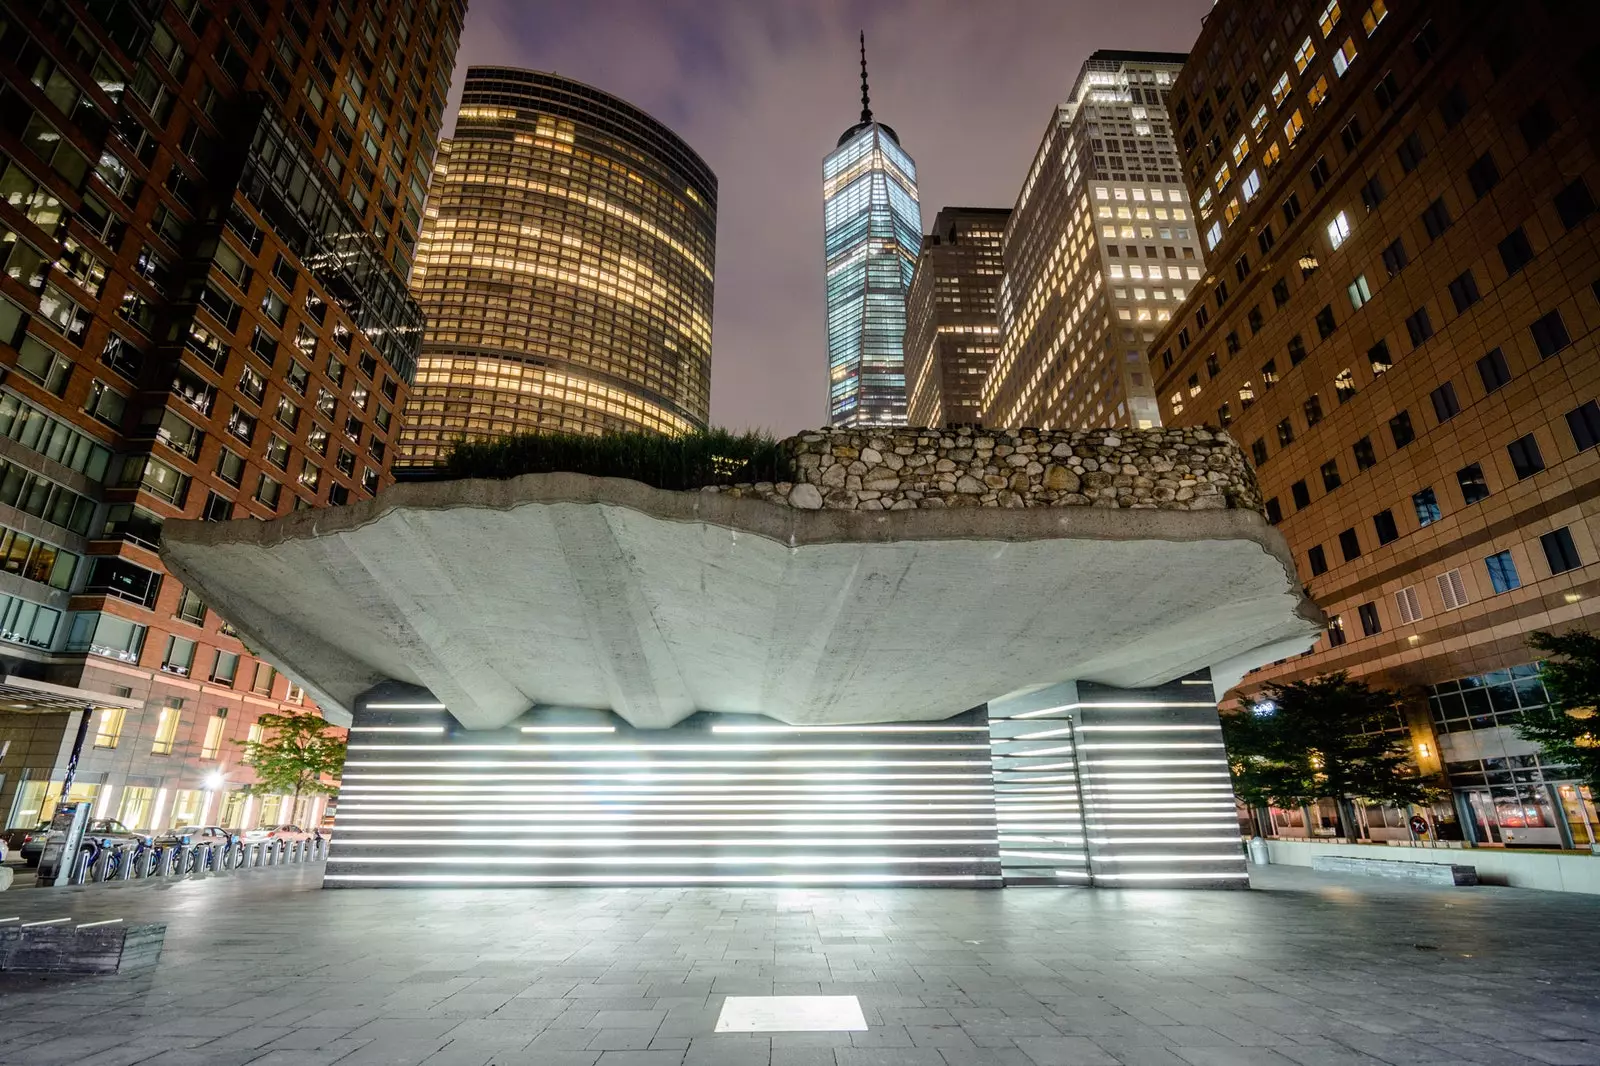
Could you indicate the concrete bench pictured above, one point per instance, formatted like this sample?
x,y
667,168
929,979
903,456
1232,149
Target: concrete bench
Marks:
x,y
1428,873
95,948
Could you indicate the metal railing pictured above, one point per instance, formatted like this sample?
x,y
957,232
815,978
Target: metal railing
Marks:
x,y
106,860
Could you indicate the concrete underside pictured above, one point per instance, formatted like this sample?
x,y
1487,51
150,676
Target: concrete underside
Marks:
x,y
568,590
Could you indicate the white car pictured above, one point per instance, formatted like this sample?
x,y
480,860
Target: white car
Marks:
x,y
291,833
194,834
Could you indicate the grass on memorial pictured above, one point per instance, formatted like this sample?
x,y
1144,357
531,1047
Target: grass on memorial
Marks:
x,y
692,461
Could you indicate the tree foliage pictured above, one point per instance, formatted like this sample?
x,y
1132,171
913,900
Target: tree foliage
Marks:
x,y
1327,738
294,755
1568,731
690,461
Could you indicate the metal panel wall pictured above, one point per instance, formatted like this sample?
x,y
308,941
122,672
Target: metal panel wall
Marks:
x,y
582,798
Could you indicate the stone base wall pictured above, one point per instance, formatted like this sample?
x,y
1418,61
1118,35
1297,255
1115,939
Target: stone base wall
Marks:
x,y
899,469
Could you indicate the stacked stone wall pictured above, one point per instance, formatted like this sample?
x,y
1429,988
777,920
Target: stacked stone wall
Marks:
x,y
1191,469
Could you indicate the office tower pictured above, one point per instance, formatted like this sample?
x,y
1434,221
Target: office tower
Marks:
x,y
565,269
952,320
1100,249
208,217
872,230
1400,203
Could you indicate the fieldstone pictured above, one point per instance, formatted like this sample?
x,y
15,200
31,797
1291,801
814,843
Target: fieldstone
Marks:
x,y
1060,479
967,484
806,497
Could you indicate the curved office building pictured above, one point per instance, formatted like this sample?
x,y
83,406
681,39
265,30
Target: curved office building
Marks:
x,y
565,268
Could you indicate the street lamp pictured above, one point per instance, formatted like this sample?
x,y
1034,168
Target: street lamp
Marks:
x,y
214,780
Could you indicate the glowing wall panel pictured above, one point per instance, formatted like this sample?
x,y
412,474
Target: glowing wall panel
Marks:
x,y
581,798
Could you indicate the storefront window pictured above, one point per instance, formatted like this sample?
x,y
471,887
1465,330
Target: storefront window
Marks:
x,y
36,800
134,811
186,805
232,811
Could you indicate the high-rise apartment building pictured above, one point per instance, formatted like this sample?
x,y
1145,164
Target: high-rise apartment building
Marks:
x,y
1399,200
565,269
207,224
872,229
952,316
1100,250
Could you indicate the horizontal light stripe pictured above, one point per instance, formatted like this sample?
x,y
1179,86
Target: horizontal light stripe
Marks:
x,y
765,879
1145,728
569,729
1114,705
666,860
397,729
1149,745
699,748
1172,876
848,729
381,838
1233,855
404,707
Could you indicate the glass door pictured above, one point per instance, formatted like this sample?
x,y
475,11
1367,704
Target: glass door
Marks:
x,y
1485,822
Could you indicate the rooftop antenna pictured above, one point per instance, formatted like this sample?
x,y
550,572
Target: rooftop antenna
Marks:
x,y
866,106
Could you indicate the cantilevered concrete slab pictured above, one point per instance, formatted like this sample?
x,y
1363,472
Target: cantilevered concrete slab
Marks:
x,y
569,590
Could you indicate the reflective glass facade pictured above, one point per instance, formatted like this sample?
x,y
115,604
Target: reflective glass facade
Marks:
x,y
873,229
565,268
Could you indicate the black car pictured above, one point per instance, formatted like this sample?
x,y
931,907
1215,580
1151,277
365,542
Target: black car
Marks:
x,y
99,829
19,835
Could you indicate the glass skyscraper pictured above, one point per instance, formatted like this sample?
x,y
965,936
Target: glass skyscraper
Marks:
x,y
873,229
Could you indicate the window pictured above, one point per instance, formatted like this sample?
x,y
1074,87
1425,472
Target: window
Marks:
x,y
1400,429
1368,613
1297,350
1427,506
1301,494
1473,486
1436,219
211,747
1344,56
1419,327
1373,193
191,608
1350,134
1285,433
1280,292
1525,458
1408,605
1493,370
1304,55
1265,240
1573,203
1350,545
1241,267
1483,175
262,685
1364,455
1515,251
1452,590
1338,229
218,508
267,492
1251,185
1583,422
1453,108
1464,291
1330,475
1502,572
224,667
1395,257
1536,124
109,730
1378,358
166,731
1445,404
106,404
1559,551
1550,334
1360,292
1384,526
1344,385
179,656
1258,451
1335,630
1291,206
1214,235
1319,175
1274,511
1318,561
1411,152
1313,409
1325,323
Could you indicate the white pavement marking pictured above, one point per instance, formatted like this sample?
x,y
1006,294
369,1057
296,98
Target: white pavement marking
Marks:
x,y
791,1014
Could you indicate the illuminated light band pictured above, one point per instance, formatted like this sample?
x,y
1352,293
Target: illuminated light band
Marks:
x,y
569,729
396,729
1173,876
848,729
629,879
404,707
1121,705
672,860
1149,745
696,842
743,748
1146,728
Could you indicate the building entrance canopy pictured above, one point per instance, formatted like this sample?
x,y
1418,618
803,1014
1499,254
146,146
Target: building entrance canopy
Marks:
x,y
572,591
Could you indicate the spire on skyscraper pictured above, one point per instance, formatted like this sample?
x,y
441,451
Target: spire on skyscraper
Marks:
x,y
866,106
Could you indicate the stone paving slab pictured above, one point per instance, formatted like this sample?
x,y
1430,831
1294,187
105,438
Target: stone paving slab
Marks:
x,y
1307,969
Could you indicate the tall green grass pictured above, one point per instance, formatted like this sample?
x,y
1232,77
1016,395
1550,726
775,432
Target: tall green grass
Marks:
x,y
692,461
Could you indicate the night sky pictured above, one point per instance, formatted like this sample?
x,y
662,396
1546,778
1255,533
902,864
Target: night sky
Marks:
x,y
763,88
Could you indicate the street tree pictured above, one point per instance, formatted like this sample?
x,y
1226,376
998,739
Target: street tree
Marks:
x,y
1568,731
1330,737
298,754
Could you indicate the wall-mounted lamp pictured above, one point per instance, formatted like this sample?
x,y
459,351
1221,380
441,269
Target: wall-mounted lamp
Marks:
x,y
1424,750
214,780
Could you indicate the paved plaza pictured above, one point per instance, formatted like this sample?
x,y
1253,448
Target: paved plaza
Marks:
x,y
1309,969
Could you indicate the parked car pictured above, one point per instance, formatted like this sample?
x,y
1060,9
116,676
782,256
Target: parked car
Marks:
x,y
19,835
290,833
99,829
194,834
